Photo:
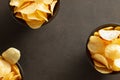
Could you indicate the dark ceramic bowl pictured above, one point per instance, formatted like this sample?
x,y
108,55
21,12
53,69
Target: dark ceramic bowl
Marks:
x,y
92,33
21,70
50,17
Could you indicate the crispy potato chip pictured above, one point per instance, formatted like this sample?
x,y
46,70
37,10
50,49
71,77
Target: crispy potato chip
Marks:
x,y
101,59
34,24
98,64
109,34
116,41
108,28
96,45
41,15
29,9
117,28
96,34
48,1
43,7
116,65
52,6
12,55
103,70
16,69
112,51
5,68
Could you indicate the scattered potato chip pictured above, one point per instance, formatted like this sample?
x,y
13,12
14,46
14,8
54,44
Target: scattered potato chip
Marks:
x,y
96,45
109,34
33,12
11,55
112,51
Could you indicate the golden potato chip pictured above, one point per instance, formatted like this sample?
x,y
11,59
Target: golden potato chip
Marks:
x,y
108,28
29,9
43,7
19,15
109,34
5,68
15,69
98,64
41,15
116,65
96,45
52,6
116,41
12,55
101,59
117,28
34,24
112,51
96,34
48,1
103,70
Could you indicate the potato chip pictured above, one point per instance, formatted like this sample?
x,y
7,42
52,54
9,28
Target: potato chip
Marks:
x,y
98,64
11,55
5,68
108,28
116,65
96,34
48,1
103,70
16,69
112,51
43,7
41,15
117,28
109,34
101,59
34,24
116,41
96,45
52,6
29,9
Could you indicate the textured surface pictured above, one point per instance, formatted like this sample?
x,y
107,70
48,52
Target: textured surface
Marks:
x,y
57,50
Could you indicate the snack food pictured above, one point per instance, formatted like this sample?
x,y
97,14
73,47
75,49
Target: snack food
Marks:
x,y
104,49
34,12
9,69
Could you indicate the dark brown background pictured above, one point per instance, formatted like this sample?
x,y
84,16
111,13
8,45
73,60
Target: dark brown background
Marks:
x,y
57,50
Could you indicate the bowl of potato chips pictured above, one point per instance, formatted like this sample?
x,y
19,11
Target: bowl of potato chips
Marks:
x,y
10,69
103,48
34,13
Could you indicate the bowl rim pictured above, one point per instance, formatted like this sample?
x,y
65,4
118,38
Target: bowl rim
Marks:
x,y
21,70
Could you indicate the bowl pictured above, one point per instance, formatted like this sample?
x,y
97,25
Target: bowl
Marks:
x,y
87,50
50,17
21,70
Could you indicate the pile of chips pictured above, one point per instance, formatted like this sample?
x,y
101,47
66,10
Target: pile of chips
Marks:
x,y
104,48
9,70
34,12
